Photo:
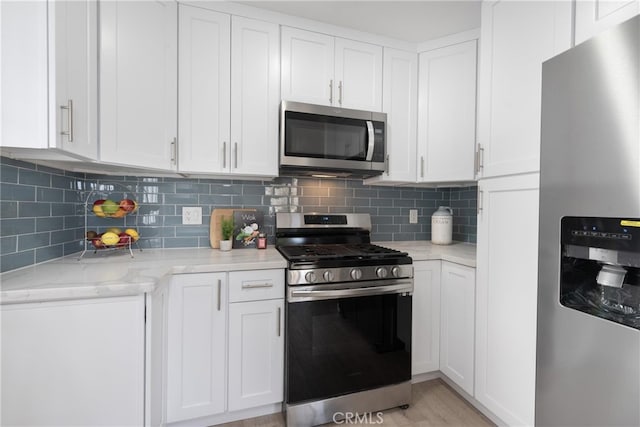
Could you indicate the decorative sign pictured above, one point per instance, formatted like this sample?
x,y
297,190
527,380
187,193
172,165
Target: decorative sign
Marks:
x,y
247,227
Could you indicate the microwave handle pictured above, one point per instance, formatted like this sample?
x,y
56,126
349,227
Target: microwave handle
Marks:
x,y
372,140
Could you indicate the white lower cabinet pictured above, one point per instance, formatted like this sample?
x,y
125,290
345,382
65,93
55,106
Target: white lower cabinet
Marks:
x,y
506,301
196,346
256,338
215,367
78,362
425,348
457,323
256,353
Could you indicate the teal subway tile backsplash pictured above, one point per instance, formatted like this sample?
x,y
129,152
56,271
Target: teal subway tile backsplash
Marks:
x,y
42,209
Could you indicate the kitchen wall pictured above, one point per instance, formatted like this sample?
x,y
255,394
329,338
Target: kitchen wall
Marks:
x,y
42,209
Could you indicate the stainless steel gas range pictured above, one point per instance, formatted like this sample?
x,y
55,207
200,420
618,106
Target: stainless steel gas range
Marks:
x,y
348,319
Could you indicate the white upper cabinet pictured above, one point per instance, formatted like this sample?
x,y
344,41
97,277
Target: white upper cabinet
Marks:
x,y
358,73
447,114
49,96
203,90
229,94
516,37
76,90
307,66
594,16
400,102
255,100
325,70
138,83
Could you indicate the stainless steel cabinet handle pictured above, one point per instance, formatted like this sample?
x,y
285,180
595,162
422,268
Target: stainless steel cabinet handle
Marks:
x,y
235,155
224,154
173,151
69,132
279,322
257,285
476,161
480,158
330,91
421,166
340,92
386,165
480,201
219,294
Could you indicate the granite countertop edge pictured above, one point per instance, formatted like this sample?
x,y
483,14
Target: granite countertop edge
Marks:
x,y
68,278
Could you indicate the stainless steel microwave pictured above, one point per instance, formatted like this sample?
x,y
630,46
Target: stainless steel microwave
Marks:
x,y
327,141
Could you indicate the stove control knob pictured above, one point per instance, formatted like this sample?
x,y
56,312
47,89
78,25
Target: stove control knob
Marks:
x,y
395,271
356,274
328,276
381,272
310,277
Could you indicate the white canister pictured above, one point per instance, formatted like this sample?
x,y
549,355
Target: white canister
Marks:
x,y
442,226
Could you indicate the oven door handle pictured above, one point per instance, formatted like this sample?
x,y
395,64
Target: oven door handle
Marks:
x,y
302,295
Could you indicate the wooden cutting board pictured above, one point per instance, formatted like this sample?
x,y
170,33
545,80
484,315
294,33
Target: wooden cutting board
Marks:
x,y
215,232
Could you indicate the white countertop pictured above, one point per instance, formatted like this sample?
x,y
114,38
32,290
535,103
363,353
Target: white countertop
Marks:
x,y
458,252
119,275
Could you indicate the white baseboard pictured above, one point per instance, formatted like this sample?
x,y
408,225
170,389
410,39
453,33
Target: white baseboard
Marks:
x,y
230,416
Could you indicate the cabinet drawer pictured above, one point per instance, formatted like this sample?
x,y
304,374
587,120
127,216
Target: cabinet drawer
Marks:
x,y
256,285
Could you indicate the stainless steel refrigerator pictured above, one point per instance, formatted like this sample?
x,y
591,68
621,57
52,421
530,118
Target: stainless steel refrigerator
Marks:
x,y
588,337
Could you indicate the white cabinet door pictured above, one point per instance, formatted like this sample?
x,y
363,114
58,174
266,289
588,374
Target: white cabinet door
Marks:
x,y
516,37
307,66
358,75
255,101
506,297
138,83
400,102
73,51
256,353
24,77
447,114
595,16
203,90
74,362
58,71
425,348
196,343
457,323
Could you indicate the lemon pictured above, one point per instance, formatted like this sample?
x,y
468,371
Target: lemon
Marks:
x,y
109,238
133,233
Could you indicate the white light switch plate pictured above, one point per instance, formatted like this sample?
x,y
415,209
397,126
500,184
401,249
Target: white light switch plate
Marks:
x,y
413,216
192,216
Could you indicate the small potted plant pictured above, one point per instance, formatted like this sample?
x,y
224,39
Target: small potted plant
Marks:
x,y
227,232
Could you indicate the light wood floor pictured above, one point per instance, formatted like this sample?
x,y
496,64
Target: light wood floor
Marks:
x,y
434,404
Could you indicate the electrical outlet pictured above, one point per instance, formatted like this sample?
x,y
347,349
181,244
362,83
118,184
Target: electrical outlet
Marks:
x,y
413,216
192,216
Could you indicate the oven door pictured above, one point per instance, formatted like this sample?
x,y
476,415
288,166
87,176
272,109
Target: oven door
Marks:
x,y
341,341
